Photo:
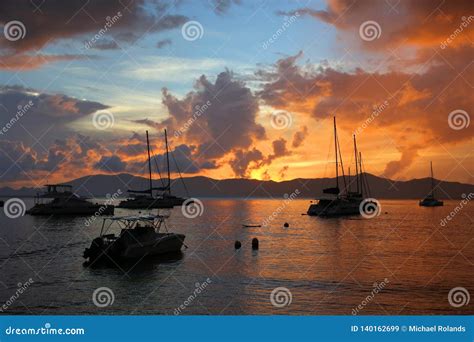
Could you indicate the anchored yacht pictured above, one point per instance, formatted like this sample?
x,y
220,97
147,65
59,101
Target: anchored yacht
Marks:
x,y
430,200
336,202
65,202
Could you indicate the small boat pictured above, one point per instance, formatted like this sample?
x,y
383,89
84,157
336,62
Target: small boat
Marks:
x,y
335,202
251,225
139,237
146,199
430,200
65,202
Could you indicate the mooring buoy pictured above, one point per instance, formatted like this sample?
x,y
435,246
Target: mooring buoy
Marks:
x,y
254,243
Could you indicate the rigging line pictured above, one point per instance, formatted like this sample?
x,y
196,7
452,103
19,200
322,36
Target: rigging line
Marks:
x,y
157,167
342,165
365,177
181,177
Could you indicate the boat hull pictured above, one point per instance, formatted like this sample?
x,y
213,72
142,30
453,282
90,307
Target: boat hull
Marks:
x,y
431,203
335,208
117,249
44,209
151,203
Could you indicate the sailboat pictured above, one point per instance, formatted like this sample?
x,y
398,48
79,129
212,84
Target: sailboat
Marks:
x,y
430,200
145,199
335,202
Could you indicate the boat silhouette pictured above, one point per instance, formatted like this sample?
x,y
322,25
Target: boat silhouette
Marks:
x,y
430,200
65,202
140,237
147,199
336,202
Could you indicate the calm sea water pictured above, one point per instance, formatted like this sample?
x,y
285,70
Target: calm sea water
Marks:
x,y
326,266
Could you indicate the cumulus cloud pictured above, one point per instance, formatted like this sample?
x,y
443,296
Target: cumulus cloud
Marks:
x,y
423,85
217,117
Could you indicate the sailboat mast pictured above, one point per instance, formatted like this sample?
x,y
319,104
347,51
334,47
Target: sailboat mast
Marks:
x,y
432,179
361,175
168,162
149,163
356,162
335,149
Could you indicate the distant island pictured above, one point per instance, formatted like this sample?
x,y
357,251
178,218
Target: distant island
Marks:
x,y
381,188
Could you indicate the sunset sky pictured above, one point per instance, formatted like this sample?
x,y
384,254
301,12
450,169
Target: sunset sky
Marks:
x,y
245,88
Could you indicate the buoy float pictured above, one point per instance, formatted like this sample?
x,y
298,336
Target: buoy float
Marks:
x,y
237,244
254,243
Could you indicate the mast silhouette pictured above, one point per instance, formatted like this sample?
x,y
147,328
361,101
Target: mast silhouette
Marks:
x,y
432,179
335,149
168,163
149,164
357,166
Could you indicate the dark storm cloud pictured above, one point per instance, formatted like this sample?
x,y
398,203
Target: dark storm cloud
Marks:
x,y
57,19
110,164
26,112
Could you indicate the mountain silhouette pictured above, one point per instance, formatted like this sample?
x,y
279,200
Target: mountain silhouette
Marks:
x,y
101,185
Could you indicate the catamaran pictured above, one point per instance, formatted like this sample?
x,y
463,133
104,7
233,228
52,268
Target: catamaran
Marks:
x,y
430,200
140,237
65,202
146,199
335,202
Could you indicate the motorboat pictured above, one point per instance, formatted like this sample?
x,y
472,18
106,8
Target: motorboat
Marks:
x,y
59,199
140,236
